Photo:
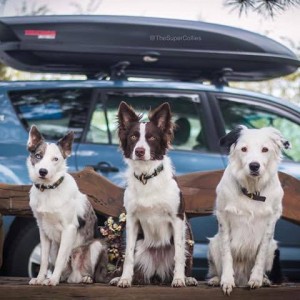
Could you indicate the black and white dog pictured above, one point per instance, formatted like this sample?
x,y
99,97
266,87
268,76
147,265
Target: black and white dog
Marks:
x,y
65,217
248,205
152,201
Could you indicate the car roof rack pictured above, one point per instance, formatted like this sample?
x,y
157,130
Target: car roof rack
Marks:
x,y
121,46
117,71
220,77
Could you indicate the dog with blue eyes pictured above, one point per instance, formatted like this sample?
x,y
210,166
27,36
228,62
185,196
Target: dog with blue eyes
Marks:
x,y
248,205
66,219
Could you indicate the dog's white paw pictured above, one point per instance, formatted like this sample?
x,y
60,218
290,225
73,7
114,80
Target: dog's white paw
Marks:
x,y
214,281
87,279
115,281
178,282
255,282
36,281
191,281
51,281
124,283
227,285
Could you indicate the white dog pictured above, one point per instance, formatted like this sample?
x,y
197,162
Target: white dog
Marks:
x,y
152,200
65,217
248,205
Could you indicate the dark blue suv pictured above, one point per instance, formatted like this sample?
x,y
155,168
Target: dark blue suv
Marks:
x,y
123,65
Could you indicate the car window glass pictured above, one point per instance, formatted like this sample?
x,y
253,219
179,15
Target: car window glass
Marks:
x,y
54,111
186,111
254,116
97,132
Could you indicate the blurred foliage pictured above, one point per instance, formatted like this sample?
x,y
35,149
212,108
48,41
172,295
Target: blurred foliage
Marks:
x,y
90,7
287,87
265,7
33,10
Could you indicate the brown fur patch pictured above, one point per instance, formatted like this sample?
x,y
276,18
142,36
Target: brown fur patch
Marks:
x,y
39,150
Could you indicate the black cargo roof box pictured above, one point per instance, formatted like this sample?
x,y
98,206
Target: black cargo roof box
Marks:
x,y
145,47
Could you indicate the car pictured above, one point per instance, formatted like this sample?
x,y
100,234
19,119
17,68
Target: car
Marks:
x,y
145,62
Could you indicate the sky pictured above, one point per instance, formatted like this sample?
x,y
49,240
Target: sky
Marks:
x,y
283,27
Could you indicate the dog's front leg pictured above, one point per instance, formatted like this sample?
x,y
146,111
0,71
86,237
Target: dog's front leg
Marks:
x,y
179,244
67,239
131,237
227,278
45,250
257,273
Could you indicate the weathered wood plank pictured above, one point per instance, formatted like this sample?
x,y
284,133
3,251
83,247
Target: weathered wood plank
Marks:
x,y
107,198
13,288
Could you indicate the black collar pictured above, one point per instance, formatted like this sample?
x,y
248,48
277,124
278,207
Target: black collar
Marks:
x,y
254,196
143,178
43,187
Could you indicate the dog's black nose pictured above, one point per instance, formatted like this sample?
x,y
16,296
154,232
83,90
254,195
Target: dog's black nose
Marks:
x,y
43,172
139,152
254,166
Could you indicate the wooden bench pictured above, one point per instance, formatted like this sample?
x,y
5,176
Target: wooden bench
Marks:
x,y
107,198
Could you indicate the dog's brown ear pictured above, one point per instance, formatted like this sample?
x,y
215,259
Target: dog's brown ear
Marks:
x,y
65,144
126,115
162,116
35,139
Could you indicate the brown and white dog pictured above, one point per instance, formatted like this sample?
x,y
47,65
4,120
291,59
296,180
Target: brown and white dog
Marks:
x,y
152,201
65,217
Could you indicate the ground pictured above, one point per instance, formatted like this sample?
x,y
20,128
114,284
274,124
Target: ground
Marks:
x,y
13,288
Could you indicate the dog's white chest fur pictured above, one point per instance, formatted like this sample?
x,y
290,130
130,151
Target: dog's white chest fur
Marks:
x,y
247,218
154,205
55,209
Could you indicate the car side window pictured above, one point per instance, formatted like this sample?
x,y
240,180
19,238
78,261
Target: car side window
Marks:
x,y
186,111
54,111
98,132
255,116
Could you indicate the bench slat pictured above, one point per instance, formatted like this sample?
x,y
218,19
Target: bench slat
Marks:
x,y
107,198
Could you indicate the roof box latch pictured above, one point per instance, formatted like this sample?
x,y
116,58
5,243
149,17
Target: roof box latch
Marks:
x,y
117,71
219,77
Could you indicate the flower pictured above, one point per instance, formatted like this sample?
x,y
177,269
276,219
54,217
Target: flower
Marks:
x,y
112,231
122,217
190,242
110,220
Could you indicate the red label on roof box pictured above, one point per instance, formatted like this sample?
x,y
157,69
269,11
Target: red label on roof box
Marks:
x,y
41,34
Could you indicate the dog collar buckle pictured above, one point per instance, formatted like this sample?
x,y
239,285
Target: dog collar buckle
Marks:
x,y
253,196
143,178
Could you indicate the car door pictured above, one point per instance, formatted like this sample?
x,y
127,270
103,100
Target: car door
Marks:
x,y
192,139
